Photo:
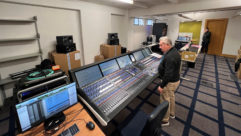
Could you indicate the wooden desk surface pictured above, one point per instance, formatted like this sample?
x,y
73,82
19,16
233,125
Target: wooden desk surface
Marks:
x,y
74,115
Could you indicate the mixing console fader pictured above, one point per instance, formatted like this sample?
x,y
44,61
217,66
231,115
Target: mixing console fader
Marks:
x,y
149,60
98,88
118,77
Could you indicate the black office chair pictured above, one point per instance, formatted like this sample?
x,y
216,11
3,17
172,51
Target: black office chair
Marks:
x,y
146,125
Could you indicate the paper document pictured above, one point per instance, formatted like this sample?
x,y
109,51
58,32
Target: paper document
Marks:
x,y
156,55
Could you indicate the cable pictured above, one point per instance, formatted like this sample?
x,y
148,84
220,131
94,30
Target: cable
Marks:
x,y
54,130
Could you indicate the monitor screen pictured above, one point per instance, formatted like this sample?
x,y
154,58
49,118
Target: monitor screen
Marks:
x,y
124,61
132,58
88,75
37,109
148,51
109,67
138,55
145,53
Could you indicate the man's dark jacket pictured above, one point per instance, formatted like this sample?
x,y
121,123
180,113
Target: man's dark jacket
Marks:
x,y
206,38
169,68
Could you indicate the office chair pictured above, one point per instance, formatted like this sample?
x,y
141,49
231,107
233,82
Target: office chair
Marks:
x,y
146,125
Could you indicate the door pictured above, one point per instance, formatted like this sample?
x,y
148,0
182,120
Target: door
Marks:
x,y
217,27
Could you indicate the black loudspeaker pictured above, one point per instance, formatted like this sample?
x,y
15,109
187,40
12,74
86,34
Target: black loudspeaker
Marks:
x,y
113,41
112,35
123,50
65,44
65,48
159,29
64,40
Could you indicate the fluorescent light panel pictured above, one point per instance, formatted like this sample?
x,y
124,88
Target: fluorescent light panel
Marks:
x,y
127,1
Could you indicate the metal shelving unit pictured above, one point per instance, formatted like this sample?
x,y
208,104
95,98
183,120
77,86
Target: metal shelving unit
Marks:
x,y
36,38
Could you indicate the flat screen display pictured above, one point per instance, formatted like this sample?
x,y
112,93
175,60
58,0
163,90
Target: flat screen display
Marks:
x,y
37,109
124,61
145,53
109,67
148,51
138,55
88,75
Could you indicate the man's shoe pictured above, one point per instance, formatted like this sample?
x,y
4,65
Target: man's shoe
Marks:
x,y
164,124
172,116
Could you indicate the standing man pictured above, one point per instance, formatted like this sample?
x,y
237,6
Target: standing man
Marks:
x,y
169,71
206,40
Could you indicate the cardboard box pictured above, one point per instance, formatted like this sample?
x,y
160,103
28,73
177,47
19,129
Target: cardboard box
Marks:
x,y
67,61
109,51
99,58
189,56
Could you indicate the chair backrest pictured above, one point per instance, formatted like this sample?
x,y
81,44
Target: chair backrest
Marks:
x,y
153,125
146,125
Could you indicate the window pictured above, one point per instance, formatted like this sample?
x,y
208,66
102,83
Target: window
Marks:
x,y
138,21
149,22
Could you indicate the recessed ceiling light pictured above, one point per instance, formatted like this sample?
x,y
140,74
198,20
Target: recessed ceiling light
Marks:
x,y
127,1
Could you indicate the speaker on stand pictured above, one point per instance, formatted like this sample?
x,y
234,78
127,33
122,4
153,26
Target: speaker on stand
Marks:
x,y
159,30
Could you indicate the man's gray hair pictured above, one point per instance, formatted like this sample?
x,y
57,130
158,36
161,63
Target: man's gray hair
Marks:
x,y
166,40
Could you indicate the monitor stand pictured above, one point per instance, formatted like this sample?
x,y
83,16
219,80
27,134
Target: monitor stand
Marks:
x,y
54,121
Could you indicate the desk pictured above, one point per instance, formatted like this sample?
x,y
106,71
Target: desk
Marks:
x,y
73,116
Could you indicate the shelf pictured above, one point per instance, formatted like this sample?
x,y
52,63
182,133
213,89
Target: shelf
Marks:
x,y
19,20
18,39
7,81
20,57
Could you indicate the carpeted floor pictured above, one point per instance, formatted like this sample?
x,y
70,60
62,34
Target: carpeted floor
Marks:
x,y
209,103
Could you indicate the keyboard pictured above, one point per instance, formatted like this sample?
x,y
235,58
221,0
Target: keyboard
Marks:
x,y
71,131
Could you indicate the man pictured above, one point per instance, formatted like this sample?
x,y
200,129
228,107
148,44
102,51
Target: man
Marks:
x,y
169,71
206,40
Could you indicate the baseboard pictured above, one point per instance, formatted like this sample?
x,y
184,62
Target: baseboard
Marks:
x,y
229,56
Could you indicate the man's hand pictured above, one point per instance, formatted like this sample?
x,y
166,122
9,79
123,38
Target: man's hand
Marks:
x,y
160,89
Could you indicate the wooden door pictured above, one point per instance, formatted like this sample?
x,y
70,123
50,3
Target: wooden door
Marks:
x,y
217,27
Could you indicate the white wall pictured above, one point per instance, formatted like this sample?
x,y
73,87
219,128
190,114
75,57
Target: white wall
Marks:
x,y
88,23
118,26
232,40
137,35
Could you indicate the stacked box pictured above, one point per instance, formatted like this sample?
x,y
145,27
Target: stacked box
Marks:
x,y
189,56
109,51
99,58
67,61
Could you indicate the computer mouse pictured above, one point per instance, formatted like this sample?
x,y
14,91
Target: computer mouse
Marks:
x,y
90,125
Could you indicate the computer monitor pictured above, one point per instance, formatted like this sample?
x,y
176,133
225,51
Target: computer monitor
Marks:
x,y
148,51
109,67
88,75
132,58
145,53
39,108
124,61
138,55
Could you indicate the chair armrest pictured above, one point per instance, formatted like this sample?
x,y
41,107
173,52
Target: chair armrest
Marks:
x,y
157,110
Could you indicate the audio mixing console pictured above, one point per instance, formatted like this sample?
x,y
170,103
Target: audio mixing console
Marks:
x,y
122,79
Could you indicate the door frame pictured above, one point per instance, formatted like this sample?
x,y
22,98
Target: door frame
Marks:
x,y
225,29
